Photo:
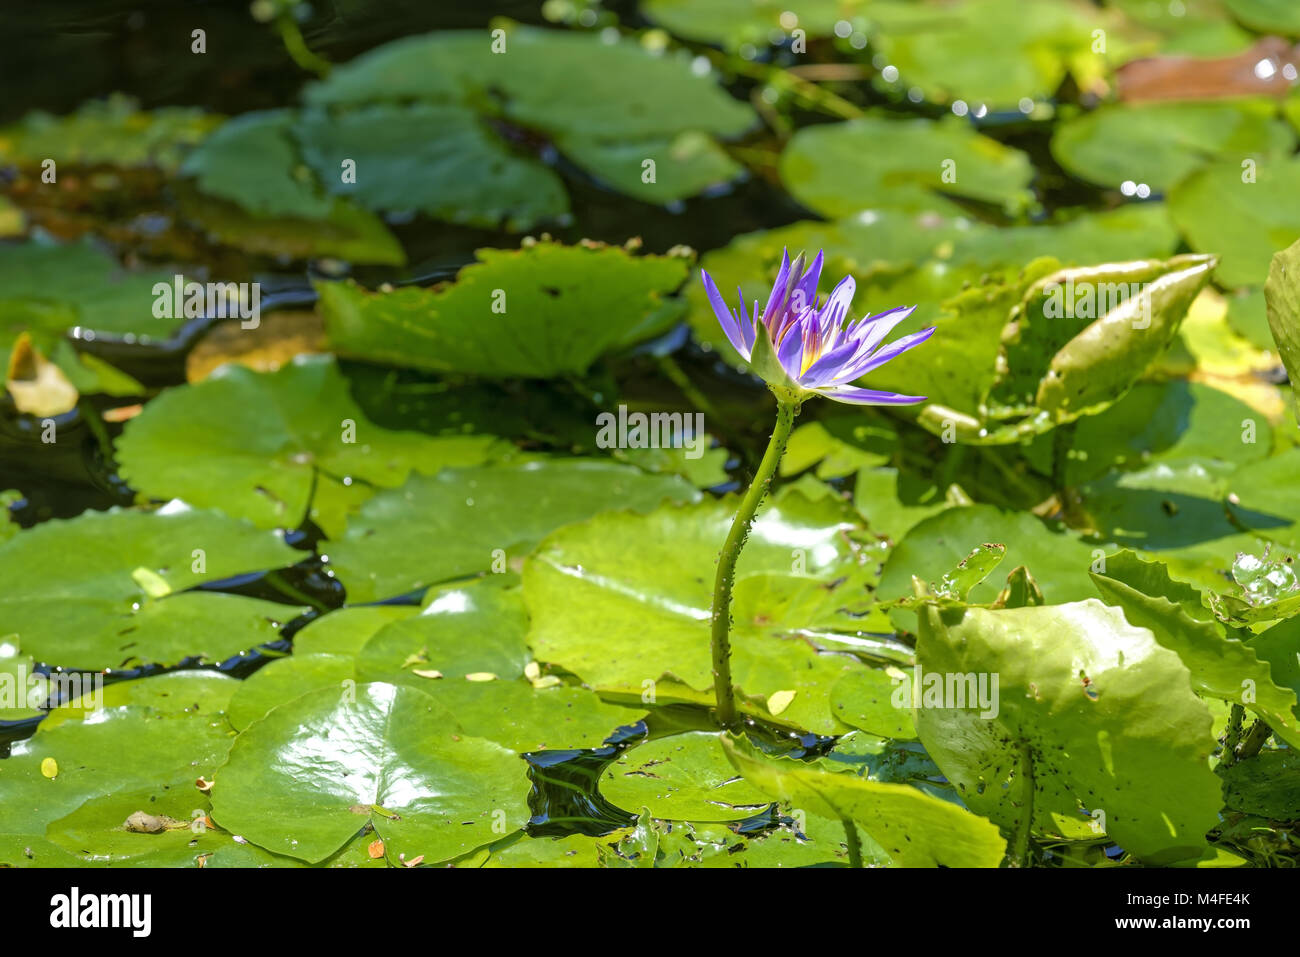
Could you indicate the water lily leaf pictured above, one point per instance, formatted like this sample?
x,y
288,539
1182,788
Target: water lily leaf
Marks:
x,y
250,161
1068,737
915,829
275,445
73,600
285,680
893,501
1059,560
308,776
1262,498
1094,355
345,631
560,309
622,623
1267,785
1220,666
1267,16
22,692
733,23
837,169
127,747
683,777
1165,506
1157,144
1243,212
474,108
865,699
464,522
438,159
1282,298
110,132
79,277
573,850
683,165
1027,47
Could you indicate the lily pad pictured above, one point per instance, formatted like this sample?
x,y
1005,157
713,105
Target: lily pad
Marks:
x,y
1092,715
345,631
1026,48
112,589
839,169
1057,558
308,776
1244,211
109,132
1157,144
683,777
627,623
464,522
476,96
915,829
279,447
545,310
1267,16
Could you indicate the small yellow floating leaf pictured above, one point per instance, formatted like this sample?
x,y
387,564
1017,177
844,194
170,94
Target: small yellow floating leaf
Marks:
x,y
532,671
778,701
50,768
480,676
151,583
426,673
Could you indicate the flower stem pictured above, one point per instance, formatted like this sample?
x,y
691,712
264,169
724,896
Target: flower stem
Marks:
x,y
785,413
853,841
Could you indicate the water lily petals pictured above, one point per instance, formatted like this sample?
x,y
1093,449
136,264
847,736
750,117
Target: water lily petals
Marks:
x,y
869,396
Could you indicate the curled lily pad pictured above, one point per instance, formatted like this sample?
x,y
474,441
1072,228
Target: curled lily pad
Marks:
x,y
1066,735
553,310
912,827
79,602
312,773
278,447
1282,298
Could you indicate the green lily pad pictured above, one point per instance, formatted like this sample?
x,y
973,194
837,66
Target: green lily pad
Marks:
x,y
838,169
1282,303
345,631
733,23
22,692
893,502
1267,16
285,680
1058,559
471,101
626,623
1073,731
1241,213
560,309
1026,48
1221,666
308,776
1159,143
109,589
1263,498
683,777
277,447
126,748
865,699
1267,785
110,132
915,829
464,522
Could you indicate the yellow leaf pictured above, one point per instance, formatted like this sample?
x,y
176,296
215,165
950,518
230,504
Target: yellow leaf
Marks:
x,y
778,701
50,768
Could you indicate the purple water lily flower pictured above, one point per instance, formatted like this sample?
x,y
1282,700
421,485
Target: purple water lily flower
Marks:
x,y
800,347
